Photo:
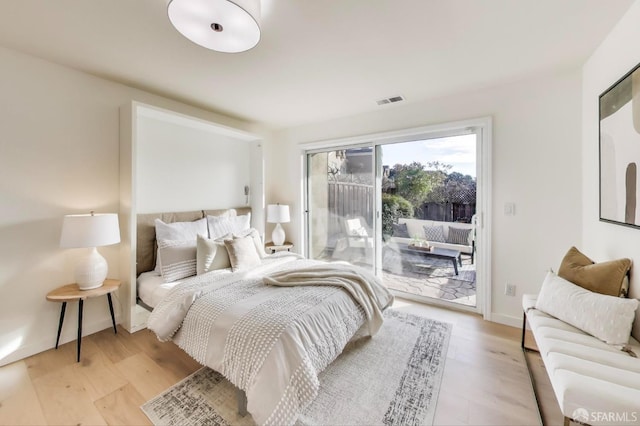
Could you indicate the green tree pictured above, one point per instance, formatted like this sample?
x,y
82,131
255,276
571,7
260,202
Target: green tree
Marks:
x,y
456,185
415,181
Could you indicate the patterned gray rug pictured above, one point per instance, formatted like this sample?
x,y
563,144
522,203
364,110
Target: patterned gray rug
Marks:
x,y
392,379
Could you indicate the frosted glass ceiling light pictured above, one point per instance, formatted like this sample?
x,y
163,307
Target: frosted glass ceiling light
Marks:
x,y
221,25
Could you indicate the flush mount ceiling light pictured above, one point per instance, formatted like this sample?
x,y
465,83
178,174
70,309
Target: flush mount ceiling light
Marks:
x,y
221,25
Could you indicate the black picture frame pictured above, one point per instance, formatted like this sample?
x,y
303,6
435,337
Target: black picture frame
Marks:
x,y
619,151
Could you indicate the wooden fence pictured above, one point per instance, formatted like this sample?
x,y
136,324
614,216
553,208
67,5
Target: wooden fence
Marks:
x,y
446,212
349,200
355,199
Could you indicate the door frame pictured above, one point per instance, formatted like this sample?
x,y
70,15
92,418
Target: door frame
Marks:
x,y
483,128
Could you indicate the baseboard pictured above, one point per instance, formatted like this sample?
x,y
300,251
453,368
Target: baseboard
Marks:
x,y
49,342
506,320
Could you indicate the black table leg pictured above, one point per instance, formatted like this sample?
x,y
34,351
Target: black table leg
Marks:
x,y
80,307
64,307
113,318
524,327
455,265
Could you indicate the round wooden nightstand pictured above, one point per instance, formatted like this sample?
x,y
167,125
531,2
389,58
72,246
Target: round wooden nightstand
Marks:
x,y
71,293
272,248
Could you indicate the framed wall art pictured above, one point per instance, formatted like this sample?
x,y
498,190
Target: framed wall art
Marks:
x,y
620,151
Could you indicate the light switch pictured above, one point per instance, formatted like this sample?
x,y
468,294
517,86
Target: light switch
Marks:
x,y
509,209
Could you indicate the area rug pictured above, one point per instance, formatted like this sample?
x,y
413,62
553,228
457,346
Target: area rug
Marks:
x,y
392,379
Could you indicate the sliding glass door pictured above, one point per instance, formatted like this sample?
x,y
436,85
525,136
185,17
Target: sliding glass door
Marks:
x,y
406,207
428,197
341,205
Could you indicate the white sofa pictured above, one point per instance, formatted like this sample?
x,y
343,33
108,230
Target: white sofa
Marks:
x,y
415,228
594,383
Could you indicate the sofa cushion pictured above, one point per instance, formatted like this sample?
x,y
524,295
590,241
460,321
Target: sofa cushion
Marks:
x,y
595,401
604,277
606,317
398,242
458,235
400,230
434,233
588,376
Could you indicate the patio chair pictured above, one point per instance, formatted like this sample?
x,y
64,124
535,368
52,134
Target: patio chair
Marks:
x,y
356,241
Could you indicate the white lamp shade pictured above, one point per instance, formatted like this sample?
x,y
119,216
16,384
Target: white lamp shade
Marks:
x,y
86,230
221,25
278,213
90,231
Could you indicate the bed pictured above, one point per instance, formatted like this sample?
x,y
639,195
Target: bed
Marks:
x,y
271,328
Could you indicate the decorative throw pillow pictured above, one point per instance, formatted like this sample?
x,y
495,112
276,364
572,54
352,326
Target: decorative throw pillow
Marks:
x,y
400,230
220,226
458,236
242,253
609,318
177,259
434,233
604,277
178,231
211,255
257,241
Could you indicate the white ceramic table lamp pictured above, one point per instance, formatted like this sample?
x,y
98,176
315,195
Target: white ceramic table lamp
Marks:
x,y
90,231
278,213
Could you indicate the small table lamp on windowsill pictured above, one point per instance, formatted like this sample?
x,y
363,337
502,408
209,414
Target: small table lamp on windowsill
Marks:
x,y
90,231
278,213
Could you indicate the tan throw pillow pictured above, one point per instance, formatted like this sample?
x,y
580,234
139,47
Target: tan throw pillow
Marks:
x,y
177,259
257,241
211,255
603,277
242,253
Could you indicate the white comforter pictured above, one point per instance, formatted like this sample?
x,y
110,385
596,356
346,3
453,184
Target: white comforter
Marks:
x,y
271,342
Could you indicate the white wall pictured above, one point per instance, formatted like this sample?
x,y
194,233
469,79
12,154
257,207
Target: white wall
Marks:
x,y
536,165
59,154
616,56
186,168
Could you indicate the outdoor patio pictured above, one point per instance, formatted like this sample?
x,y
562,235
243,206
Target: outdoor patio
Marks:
x,y
416,275
429,277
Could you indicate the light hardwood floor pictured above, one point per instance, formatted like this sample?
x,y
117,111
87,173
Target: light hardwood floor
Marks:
x,y
485,380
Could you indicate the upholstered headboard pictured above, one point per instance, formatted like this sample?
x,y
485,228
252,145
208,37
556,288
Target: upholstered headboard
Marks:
x,y
146,248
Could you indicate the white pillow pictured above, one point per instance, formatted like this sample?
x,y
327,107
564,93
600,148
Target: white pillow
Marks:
x,y
220,226
177,259
178,231
211,255
608,318
242,253
257,241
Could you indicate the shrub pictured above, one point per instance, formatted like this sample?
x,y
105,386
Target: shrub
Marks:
x,y
393,207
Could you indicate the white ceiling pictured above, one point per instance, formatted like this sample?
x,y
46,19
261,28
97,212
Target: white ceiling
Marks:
x,y
317,59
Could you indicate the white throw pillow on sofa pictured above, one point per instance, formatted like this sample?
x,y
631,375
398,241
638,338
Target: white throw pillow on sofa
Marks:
x,y
608,318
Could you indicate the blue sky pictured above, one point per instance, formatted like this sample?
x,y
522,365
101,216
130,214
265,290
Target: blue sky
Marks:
x,y
459,151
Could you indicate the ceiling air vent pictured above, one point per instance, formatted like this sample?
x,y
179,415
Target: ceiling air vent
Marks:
x,y
390,100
